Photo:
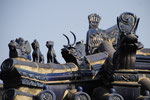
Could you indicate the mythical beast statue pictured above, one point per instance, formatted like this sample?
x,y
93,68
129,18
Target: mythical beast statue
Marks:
x,y
128,44
94,35
51,56
97,76
127,78
19,48
37,55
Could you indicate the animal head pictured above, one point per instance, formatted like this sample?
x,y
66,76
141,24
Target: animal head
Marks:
x,y
35,44
73,52
127,24
69,51
12,45
49,44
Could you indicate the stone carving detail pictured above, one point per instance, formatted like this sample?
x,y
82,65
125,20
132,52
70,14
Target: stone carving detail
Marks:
x,y
51,56
19,48
74,52
37,55
112,34
126,77
97,68
94,35
125,55
31,82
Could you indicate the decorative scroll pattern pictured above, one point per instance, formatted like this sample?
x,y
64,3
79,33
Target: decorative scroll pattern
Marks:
x,y
126,77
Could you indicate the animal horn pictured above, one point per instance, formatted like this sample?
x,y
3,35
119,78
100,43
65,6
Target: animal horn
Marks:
x,y
67,39
118,24
136,25
135,22
74,38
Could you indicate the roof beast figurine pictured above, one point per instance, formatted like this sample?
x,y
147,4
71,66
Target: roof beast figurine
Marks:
x,y
37,55
19,48
94,35
127,44
100,73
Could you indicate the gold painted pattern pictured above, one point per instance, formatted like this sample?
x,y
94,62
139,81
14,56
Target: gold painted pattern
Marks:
x,y
65,94
98,62
46,70
23,59
47,82
22,97
89,64
133,70
111,41
94,63
33,91
142,53
33,69
123,82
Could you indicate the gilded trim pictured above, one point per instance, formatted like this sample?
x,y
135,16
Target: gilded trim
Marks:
x,y
65,94
47,82
23,59
142,53
98,62
46,70
90,68
33,91
22,97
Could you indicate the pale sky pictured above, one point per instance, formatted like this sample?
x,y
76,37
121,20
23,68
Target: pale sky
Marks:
x,y
48,19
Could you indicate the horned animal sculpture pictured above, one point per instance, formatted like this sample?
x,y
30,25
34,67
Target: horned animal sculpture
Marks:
x,y
68,52
70,45
37,55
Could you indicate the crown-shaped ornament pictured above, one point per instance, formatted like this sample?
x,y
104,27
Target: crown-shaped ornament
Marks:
x,y
94,18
